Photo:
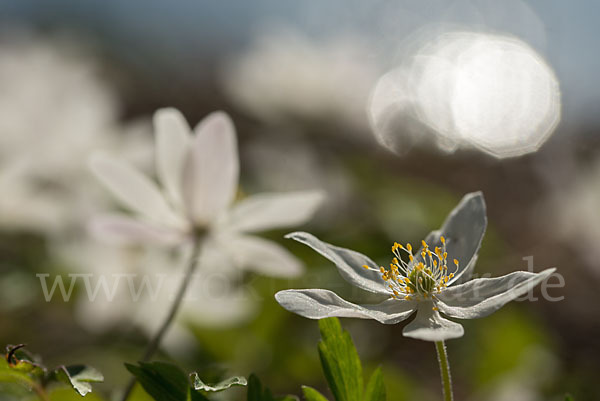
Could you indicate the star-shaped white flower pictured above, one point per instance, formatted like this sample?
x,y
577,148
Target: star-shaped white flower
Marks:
x,y
198,172
423,282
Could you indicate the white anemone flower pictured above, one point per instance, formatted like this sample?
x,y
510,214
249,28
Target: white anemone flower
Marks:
x,y
299,77
423,283
48,129
198,172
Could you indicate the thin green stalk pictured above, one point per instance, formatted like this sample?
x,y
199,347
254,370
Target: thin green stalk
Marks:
x,y
156,340
440,347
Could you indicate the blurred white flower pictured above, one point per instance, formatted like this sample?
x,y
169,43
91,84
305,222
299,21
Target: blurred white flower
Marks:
x,y
199,176
285,75
54,111
123,286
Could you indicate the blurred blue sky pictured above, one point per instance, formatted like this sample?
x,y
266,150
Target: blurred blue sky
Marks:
x,y
173,35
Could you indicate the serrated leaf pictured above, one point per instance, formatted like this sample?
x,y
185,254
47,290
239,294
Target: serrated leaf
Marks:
x,y
310,394
162,381
340,361
79,377
375,388
223,385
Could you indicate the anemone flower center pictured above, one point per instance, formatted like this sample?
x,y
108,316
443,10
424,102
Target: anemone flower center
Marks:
x,y
424,275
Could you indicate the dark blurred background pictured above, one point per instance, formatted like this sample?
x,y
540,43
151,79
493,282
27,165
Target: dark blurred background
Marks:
x,y
299,80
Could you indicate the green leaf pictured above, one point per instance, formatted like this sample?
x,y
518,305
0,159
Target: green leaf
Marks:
x,y
162,381
22,367
21,360
79,377
223,385
310,394
8,375
340,361
256,392
375,388
569,397
254,389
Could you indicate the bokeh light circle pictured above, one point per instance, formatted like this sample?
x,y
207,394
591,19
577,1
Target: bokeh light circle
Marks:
x,y
490,92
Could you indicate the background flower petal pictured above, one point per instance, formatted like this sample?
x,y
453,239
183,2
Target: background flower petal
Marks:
x,y
263,256
349,263
428,325
319,304
483,296
133,189
212,169
172,143
274,210
125,230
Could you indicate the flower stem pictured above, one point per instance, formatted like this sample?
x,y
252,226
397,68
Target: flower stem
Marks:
x,y
156,340
440,347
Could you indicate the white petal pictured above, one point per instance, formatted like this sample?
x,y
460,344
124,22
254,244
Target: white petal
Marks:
x,y
483,296
428,325
463,230
263,256
349,263
319,304
172,141
132,188
274,210
212,169
125,230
